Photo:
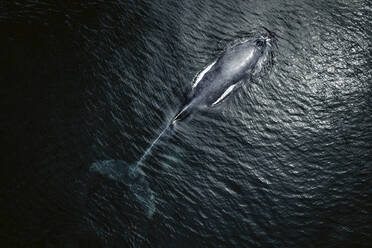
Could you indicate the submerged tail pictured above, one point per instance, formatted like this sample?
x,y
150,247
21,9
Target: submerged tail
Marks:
x,y
132,176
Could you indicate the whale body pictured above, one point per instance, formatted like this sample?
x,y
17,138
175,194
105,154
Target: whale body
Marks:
x,y
210,87
221,77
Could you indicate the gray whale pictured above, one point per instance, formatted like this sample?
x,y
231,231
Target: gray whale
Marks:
x,y
210,87
220,78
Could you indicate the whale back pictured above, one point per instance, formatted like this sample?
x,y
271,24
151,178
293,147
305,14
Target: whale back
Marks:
x,y
238,60
220,78
233,65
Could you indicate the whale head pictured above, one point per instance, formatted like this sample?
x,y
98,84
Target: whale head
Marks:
x,y
266,42
249,56
265,46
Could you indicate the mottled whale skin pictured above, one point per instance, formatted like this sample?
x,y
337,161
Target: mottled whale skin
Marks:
x,y
218,79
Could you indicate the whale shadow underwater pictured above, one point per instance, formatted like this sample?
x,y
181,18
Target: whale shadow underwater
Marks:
x,y
211,86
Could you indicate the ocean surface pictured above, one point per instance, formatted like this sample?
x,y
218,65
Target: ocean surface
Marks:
x,y
86,88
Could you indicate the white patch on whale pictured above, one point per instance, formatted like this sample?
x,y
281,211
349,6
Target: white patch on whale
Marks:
x,y
201,74
175,118
231,87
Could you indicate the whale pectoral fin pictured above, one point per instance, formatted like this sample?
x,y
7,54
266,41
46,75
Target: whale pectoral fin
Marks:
x,y
226,93
200,76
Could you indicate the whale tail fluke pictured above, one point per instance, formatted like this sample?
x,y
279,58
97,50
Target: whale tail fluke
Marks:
x,y
131,176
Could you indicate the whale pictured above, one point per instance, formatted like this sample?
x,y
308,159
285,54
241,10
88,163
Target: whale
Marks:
x,y
236,64
210,87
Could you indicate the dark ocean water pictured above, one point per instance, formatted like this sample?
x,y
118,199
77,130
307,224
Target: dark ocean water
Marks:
x,y
284,161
